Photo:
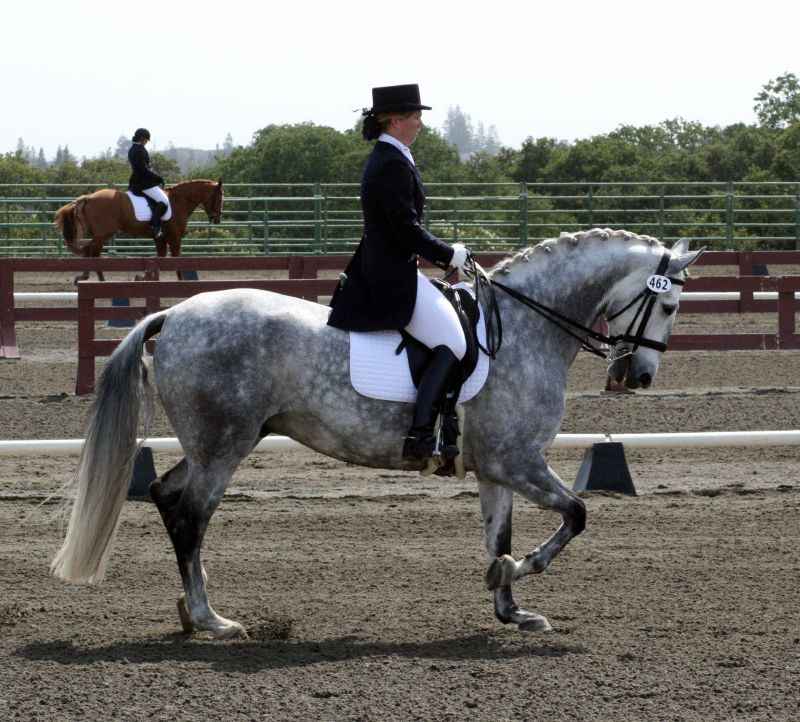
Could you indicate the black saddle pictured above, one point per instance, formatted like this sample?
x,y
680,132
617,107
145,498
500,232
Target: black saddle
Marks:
x,y
419,355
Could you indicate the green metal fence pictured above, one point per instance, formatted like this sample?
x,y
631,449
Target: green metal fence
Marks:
x,y
326,218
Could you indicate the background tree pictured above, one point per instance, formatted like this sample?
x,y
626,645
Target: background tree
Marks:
x,y
778,104
123,144
167,168
533,157
302,153
110,170
458,130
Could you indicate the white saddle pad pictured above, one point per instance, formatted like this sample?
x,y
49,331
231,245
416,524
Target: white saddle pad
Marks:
x,y
378,372
142,210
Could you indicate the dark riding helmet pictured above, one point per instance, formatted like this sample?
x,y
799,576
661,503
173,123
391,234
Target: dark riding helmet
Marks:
x,y
141,134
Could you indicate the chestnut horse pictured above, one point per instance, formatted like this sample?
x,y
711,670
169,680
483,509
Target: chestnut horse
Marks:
x,y
101,214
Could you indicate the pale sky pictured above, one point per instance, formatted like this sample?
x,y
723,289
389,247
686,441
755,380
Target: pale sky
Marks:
x,y
83,72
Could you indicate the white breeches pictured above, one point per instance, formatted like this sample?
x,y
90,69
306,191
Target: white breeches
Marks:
x,y
434,321
157,194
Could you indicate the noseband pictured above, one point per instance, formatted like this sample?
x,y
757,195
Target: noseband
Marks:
x,y
655,284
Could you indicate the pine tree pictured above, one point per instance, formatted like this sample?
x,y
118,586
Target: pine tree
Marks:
x,y
458,130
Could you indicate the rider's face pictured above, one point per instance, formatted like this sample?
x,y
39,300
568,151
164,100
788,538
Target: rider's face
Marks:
x,y
406,127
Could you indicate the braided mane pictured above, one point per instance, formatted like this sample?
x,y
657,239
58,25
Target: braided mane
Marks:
x,y
571,239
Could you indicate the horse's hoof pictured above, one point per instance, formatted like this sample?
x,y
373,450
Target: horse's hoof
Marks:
x,y
535,624
501,572
232,630
183,613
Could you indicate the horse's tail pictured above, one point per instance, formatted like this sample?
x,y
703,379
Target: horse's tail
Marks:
x,y
71,220
107,458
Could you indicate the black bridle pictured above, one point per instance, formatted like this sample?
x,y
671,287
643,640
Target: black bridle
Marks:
x,y
484,287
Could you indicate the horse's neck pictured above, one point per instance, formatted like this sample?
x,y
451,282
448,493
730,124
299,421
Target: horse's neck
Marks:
x,y
185,197
570,281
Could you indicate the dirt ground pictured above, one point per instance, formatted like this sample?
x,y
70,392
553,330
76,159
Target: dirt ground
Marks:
x,y
363,593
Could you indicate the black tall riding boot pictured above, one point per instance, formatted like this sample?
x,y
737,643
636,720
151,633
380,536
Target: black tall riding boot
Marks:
x,y
420,441
450,429
159,209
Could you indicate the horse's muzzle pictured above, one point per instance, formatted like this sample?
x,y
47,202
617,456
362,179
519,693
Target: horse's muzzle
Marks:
x,y
628,371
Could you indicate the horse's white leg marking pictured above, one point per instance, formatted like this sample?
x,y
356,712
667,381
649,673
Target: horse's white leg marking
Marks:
x,y
183,609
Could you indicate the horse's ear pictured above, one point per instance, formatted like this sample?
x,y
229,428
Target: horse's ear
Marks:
x,y
680,246
683,261
219,181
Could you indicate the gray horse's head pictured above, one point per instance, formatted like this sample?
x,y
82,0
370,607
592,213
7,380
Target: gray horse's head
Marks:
x,y
649,318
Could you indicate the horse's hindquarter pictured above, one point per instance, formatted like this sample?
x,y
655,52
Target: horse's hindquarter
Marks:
x,y
231,363
235,349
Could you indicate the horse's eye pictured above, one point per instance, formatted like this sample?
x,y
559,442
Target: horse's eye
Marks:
x,y
669,309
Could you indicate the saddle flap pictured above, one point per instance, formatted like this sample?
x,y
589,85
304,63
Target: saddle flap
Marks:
x,y
379,372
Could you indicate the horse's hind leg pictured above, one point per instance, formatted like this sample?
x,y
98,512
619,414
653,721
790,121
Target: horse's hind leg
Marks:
x,y
496,509
93,249
186,497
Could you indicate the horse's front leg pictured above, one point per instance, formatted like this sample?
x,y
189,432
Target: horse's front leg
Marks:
x,y
173,241
542,486
496,509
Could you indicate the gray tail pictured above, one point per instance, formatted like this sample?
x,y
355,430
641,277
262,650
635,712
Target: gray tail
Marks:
x,y
107,458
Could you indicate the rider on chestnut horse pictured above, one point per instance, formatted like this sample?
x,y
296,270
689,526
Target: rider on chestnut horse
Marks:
x,y
145,181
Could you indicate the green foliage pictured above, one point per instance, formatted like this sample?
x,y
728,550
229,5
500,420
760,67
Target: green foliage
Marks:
x,y
167,168
533,157
437,160
302,153
14,168
106,170
778,103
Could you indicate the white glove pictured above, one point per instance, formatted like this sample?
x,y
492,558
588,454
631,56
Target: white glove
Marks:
x,y
460,255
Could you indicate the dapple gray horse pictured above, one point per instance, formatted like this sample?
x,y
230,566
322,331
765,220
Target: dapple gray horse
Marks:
x,y
233,366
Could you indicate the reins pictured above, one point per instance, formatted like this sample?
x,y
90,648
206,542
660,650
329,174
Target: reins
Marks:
x,y
657,283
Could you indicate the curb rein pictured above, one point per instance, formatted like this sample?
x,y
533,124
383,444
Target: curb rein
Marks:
x,y
484,286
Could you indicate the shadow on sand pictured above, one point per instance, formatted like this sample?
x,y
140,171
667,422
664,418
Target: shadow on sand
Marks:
x,y
253,656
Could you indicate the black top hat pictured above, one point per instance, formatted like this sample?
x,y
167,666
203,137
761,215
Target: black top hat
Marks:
x,y
396,97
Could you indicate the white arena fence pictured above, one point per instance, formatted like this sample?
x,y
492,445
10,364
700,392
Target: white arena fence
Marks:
x,y
72,447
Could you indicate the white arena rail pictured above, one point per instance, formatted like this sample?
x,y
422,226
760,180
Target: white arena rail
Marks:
x,y
54,296
72,447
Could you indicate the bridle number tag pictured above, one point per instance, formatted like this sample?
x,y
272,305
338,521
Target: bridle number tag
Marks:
x,y
658,284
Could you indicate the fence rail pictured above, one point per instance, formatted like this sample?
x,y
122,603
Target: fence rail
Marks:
x,y
320,218
304,277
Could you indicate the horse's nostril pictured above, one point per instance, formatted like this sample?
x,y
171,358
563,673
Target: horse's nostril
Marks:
x,y
645,380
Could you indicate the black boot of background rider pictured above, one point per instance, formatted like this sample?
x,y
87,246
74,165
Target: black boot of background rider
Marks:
x,y
420,442
155,222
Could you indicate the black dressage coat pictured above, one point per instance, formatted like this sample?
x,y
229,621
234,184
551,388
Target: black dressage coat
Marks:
x,y
143,176
381,286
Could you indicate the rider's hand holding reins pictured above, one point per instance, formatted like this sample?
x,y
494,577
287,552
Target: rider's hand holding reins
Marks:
x,y
460,255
